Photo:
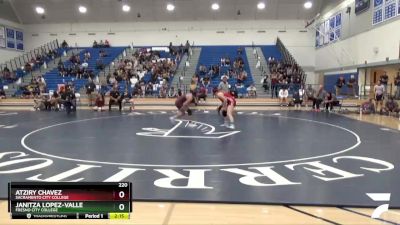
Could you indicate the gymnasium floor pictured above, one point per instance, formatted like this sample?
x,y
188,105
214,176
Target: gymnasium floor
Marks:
x,y
362,146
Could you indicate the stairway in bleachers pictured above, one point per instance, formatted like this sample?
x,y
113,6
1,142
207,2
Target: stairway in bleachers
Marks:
x,y
188,72
53,78
211,55
253,53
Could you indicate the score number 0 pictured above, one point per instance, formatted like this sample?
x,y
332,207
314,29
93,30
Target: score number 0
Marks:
x,y
121,194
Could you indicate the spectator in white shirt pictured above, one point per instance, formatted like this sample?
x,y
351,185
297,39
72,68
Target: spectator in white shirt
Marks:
x,y
252,91
283,95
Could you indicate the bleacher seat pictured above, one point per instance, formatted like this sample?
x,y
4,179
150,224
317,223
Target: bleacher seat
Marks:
x,y
211,55
53,78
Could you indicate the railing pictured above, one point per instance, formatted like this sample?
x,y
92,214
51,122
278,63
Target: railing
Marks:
x,y
18,63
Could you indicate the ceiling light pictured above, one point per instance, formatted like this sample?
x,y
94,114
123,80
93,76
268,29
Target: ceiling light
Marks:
x,y
308,5
82,9
40,10
261,5
170,7
215,6
126,8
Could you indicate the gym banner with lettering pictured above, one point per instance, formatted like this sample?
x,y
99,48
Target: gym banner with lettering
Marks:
x,y
10,38
19,37
2,37
362,6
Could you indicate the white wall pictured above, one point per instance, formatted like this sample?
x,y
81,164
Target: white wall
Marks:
x,y
5,54
360,48
201,33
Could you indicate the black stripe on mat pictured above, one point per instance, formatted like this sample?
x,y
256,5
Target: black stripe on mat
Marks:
x,y
365,215
312,215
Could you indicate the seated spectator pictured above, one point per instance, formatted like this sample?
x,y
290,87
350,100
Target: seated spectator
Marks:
x,y
68,99
99,64
242,76
202,95
101,44
172,93
252,91
298,97
368,107
2,93
106,44
330,101
99,102
391,106
223,85
95,45
283,95
115,98
55,101
41,103
87,55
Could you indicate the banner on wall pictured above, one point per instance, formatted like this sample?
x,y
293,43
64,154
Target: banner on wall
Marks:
x,y
10,38
19,38
2,37
362,6
329,30
390,9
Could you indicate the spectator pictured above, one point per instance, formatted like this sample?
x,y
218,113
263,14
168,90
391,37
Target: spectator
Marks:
x,y
339,85
330,101
264,83
298,97
115,98
172,93
391,106
384,81
240,51
319,98
202,95
352,86
69,100
379,91
64,44
274,85
368,107
397,84
2,93
90,88
223,85
283,95
106,44
95,45
99,102
55,101
310,94
87,55
252,91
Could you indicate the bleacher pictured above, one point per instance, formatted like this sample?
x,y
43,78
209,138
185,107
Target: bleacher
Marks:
x,y
148,77
271,51
53,78
20,73
211,55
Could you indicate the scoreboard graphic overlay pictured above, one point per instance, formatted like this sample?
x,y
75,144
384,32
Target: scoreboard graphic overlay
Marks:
x,y
69,200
